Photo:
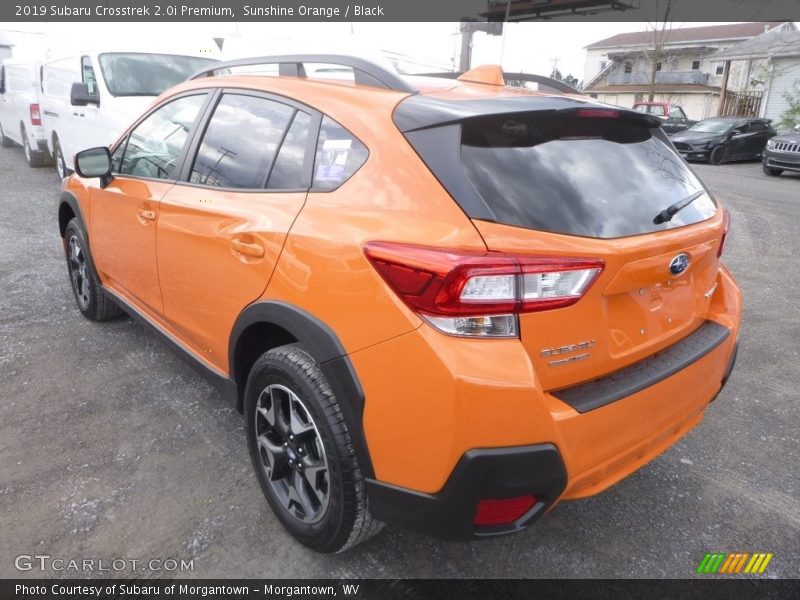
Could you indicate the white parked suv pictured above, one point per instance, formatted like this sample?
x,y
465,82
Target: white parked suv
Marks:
x,y
20,112
90,98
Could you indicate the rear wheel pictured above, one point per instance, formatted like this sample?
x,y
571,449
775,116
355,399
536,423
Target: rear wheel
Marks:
x,y
34,159
302,452
771,171
718,155
5,141
92,301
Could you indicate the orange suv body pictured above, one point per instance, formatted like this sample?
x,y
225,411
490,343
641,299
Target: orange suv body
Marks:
x,y
484,280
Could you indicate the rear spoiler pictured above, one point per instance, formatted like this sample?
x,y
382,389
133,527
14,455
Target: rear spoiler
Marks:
x,y
422,111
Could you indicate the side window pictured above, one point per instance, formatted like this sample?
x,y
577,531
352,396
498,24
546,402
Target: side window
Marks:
x,y
2,79
677,112
87,74
154,147
339,155
287,172
116,156
742,128
758,126
240,142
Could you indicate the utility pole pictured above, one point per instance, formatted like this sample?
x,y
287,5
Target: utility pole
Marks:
x,y
503,34
466,50
555,66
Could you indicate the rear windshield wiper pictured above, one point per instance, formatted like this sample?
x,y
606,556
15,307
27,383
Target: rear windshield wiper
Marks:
x,y
673,209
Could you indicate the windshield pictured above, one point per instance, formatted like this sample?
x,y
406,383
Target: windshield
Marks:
x,y
711,126
650,109
137,74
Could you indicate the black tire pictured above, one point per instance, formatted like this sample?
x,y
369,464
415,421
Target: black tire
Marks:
x,y
32,157
718,155
770,171
288,377
5,141
62,170
90,297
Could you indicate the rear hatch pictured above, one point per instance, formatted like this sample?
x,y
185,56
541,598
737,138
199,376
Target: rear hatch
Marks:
x,y
586,182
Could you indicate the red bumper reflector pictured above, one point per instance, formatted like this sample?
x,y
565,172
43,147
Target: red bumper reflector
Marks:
x,y
502,512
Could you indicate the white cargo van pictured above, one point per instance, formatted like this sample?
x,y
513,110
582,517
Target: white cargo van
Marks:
x,y
20,113
90,98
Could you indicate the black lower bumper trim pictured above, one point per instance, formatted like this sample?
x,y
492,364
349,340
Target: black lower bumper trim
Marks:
x,y
647,372
493,473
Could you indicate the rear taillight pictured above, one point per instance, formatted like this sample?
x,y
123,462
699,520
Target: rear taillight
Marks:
x,y
479,294
502,512
726,226
36,116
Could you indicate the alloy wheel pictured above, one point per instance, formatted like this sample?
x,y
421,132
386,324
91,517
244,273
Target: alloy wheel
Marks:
x,y
292,454
78,269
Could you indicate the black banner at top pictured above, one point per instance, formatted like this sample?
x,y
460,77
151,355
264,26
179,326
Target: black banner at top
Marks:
x,y
397,10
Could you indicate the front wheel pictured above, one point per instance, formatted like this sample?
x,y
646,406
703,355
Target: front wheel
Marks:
x,y
770,171
58,159
718,155
303,454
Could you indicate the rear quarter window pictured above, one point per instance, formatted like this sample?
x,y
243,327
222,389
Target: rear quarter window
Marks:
x,y
339,155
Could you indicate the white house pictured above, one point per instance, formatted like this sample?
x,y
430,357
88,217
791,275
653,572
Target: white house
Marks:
x,y
618,69
778,53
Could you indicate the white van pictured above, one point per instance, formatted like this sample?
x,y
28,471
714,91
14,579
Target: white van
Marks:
x,y
90,98
20,113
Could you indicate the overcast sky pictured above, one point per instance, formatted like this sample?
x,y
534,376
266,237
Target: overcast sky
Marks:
x,y
529,47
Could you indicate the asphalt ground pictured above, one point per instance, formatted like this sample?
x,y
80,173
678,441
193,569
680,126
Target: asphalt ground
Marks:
x,y
111,446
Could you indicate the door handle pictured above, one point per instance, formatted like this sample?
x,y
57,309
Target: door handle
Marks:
x,y
146,215
254,250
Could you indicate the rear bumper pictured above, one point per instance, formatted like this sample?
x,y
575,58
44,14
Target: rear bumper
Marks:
x,y
493,473
432,400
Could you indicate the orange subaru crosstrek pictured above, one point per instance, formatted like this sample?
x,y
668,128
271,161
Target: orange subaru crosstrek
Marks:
x,y
442,304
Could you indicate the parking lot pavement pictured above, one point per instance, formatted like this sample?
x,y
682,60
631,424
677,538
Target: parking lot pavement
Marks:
x,y
112,447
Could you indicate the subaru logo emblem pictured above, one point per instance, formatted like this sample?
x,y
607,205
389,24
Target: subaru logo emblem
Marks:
x,y
679,264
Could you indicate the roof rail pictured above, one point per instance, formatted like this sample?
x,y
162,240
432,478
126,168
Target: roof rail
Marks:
x,y
555,84
291,65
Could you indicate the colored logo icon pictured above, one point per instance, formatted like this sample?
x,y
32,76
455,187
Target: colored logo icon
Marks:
x,y
736,562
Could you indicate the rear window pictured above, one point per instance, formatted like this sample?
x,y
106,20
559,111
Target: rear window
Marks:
x,y
585,176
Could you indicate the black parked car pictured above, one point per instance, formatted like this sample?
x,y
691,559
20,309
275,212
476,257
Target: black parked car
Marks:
x,y
783,153
720,139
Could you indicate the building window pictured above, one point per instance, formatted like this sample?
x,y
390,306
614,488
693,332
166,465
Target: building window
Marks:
x,y
603,64
719,68
658,66
629,67
695,65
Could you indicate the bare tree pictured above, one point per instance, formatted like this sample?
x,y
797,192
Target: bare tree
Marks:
x,y
657,53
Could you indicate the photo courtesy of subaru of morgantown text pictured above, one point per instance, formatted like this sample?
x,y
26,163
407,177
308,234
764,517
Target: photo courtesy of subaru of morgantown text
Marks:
x,y
412,337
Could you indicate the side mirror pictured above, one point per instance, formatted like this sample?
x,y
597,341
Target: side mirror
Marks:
x,y
79,95
94,162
